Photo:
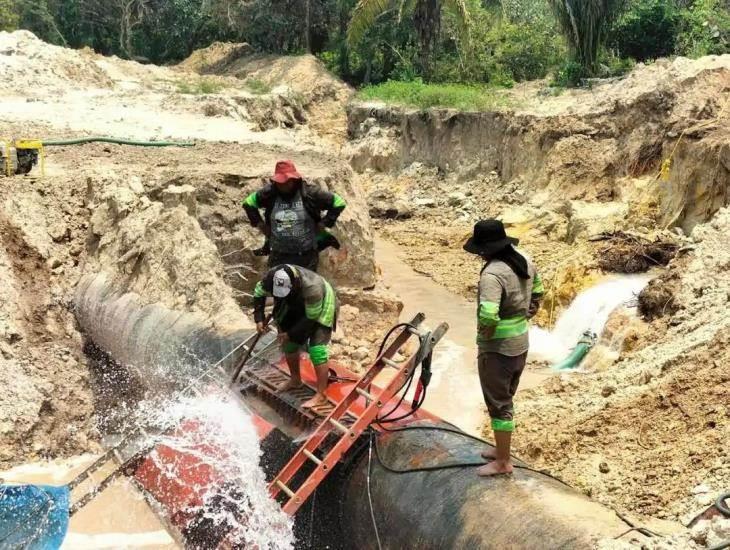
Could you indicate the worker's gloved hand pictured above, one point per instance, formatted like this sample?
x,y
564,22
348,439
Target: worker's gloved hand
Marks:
x,y
260,328
325,240
534,307
283,338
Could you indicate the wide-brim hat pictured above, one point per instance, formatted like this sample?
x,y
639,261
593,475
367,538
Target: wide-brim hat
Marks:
x,y
489,238
285,171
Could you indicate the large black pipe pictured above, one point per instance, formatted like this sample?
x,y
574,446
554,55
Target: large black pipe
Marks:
x,y
416,488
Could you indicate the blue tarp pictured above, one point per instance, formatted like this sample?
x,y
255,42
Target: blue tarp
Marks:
x,y
33,517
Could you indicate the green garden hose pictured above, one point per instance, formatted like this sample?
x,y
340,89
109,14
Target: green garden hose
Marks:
x,y
81,141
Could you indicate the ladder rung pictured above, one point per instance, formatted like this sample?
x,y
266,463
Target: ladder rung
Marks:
x,y
365,394
415,331
390,362
312,457
284,488
344,429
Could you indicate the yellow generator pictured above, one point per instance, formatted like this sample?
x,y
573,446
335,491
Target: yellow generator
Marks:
x,y
19,156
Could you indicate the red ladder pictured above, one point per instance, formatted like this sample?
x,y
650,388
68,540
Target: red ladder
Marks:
x,y
296,498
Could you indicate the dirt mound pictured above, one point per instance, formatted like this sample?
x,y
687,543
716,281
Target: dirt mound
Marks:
x,y
31,65
304,76
646,433
214,58
46,406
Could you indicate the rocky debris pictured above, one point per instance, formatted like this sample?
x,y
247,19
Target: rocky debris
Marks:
x,y
46,405
377,149
663,410
174,196
158,249
706,534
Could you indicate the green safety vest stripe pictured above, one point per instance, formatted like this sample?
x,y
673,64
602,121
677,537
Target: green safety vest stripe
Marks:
x,y
537,286
508,328
252,200
499,425
488,314
259,291
323,311
338,202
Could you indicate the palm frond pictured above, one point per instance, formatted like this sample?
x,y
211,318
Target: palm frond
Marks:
x,y
585,24
364,16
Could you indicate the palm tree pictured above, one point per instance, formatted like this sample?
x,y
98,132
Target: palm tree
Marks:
x,y
426,17
585,25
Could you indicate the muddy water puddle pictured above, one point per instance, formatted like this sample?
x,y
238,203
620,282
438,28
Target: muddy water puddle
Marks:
x,y
454,393
117,518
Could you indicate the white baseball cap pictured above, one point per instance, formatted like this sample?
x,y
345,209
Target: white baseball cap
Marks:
x,y
282,284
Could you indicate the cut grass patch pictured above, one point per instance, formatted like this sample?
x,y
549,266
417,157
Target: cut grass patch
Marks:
x,y
425,96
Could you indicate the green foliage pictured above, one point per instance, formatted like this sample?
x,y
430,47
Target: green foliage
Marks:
x,y
424,96
584,25
704,28
569,75
8,16
647,30
256,86
426,14
203,86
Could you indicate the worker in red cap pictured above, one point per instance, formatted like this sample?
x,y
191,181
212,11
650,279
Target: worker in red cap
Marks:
x,y
295,229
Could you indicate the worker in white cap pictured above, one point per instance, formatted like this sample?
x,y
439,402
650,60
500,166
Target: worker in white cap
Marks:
x,y
305,312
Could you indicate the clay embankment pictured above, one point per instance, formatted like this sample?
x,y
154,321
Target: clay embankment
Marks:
x,y
566,174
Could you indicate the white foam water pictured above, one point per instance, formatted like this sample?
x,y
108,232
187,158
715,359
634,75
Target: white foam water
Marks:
x,y
589,312
225,425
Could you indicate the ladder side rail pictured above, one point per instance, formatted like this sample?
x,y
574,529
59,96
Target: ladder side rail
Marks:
x,y
346,441
315,440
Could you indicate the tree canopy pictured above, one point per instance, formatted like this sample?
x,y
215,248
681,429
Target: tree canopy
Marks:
x,y
368,41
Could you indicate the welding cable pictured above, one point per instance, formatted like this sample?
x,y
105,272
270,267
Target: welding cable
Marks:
x,y
456,431
370,497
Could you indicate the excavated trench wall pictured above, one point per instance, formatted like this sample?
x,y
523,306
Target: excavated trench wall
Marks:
x,y
617,132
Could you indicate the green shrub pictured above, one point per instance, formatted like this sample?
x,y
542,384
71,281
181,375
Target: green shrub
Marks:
x,y
424,96
704,28
569,75
8,16
256,86
648,30
203,86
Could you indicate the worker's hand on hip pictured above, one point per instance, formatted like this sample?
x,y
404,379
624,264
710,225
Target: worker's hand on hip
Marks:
x,y
487,332
260,328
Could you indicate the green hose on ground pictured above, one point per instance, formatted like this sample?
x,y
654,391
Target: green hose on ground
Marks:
x,y
81,141
579,352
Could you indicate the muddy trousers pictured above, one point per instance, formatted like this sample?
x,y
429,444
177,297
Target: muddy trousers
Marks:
x,y
500,376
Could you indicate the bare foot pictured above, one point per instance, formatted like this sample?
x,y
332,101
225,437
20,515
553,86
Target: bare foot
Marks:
x,y
494,468
316,401
490,452
290,384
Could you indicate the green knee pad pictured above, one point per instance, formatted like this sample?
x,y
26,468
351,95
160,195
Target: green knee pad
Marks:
x,y
290,347
499,425
319,354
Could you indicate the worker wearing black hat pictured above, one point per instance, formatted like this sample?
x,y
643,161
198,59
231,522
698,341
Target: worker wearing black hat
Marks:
x,y
509,294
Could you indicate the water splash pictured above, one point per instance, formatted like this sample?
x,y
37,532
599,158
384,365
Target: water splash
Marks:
x,y
589,311
225,440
